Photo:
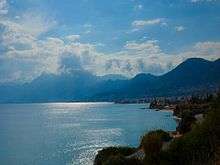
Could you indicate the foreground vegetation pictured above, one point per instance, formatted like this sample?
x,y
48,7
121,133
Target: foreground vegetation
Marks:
x,y
199,143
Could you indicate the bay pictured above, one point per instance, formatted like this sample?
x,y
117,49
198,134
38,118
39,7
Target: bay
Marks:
x,y
72,133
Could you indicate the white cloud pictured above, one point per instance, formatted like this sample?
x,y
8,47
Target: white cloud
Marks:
x,y
88,28
148,47
138,7
196,1
87,25
45,56
73,38
3,7
36,23
179,28
14,36
26,54
143,23
148,57
208,50
87,31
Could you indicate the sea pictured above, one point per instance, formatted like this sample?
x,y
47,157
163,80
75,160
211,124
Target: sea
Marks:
x,y
73,133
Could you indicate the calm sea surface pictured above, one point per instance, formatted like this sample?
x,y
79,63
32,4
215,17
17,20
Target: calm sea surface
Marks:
x,y
71,133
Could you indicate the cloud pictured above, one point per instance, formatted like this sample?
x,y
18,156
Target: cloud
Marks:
x,y
53,55
207,45
69,62
14,36
149,58
197,1
36,23
27,49
87,25
23,33
148,47
142,23
3,7
25,55
87,28
138,7
208,50
179,28
22,54
73,38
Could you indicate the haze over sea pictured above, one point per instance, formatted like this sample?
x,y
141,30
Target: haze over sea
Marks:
x,y
72,133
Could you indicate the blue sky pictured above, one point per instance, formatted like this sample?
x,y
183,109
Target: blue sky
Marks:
x,y
104,37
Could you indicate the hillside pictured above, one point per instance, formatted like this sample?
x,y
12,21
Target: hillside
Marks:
x,y
193,75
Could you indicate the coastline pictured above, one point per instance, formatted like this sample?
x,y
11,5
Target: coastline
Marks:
x,y
193,119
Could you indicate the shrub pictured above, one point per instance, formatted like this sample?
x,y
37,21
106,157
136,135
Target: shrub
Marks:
x,y
115,160
186,122
200,145
162,135
121,160
152,144
109,152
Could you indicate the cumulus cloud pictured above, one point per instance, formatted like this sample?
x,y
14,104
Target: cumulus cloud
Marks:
x,y
88,28
36,23
208,50
179,28
138,7
25,54
148,47
149,58
142,23
196,1
3,7
73,37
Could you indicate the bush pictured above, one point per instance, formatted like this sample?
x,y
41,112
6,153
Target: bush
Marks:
x,y
107,154
200,145
162,135
121,160
115,160
186,122
152,144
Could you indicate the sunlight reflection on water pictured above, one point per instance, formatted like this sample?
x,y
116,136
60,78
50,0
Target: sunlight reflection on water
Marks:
x,y
72,133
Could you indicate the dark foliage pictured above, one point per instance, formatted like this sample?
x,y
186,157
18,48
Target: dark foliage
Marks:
x,y
162,135
121,160
110,153
152,145
200,145
186,122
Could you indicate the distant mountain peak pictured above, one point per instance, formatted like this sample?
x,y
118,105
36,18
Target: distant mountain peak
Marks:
x,y
194,60
144,75
113,77
217,61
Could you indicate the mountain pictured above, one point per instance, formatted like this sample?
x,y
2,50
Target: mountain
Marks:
x,y
49,87
193,75
113,77
193,71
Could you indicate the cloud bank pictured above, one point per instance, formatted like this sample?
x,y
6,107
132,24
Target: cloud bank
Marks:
x,y
26,52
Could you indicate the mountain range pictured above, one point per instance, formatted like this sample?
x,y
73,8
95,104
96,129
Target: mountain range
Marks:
x,y
193,75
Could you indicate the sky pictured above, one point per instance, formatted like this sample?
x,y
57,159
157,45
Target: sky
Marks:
x,y
104,37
